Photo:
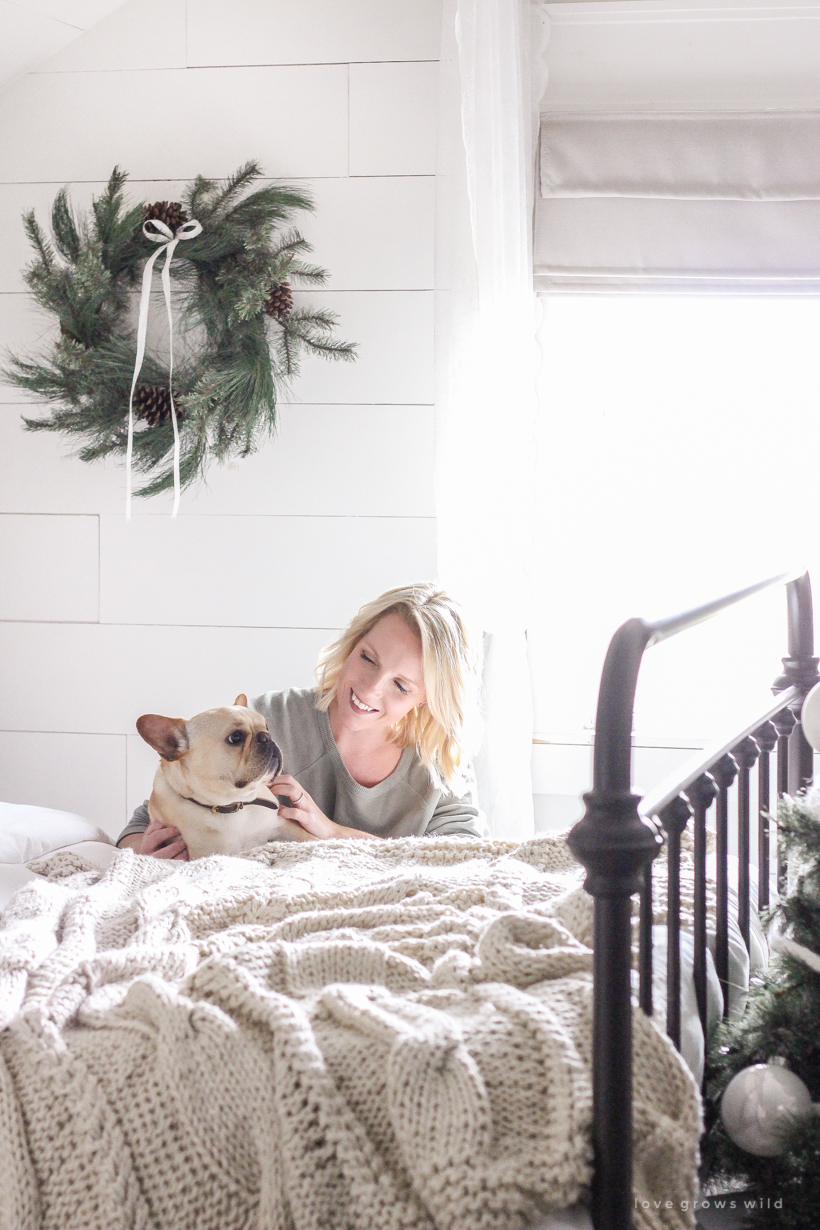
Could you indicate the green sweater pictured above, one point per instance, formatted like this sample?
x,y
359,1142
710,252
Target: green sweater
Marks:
x,y
405,804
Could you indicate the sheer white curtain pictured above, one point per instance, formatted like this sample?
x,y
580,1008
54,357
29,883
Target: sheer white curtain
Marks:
x,y
487,359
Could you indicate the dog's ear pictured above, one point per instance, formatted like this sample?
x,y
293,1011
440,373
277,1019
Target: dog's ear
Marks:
x,y
167,736
241,700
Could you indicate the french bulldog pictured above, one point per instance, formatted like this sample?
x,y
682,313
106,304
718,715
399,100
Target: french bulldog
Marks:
x,y
212,778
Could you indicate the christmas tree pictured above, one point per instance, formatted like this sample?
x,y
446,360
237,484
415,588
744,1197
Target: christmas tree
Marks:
x,y
781,1022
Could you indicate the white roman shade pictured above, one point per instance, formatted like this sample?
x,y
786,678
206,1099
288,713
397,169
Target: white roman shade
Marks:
x,y
679,201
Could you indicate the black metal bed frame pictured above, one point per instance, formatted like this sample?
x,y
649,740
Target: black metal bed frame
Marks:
x,y
619,836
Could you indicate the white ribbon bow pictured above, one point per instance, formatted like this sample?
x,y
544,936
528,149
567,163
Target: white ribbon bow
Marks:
x,y
163,235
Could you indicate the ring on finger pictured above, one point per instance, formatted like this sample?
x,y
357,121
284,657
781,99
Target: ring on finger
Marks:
x,y
296,802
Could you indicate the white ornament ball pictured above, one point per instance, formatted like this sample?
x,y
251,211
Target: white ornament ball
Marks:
x,y
760,1104
810,717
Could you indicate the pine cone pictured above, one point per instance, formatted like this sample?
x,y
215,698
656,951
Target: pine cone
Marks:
x,y
280,301
169,212
152,402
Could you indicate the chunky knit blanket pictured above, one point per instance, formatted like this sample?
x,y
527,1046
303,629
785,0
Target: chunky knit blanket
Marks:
x,y
346,1035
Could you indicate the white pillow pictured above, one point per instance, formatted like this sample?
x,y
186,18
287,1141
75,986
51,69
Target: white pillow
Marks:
x,y
28,832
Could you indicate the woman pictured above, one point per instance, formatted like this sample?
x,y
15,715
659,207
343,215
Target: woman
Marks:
x,y
377,748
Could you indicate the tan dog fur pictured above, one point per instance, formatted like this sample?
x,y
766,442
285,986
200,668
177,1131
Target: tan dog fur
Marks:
x,y
197,762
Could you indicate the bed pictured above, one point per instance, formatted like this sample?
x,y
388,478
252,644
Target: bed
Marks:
x,y
619,837
412,1034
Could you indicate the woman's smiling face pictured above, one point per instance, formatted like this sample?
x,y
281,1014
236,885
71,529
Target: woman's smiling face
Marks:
x,y
382,678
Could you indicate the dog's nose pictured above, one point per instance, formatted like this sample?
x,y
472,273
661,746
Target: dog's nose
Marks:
x,y
263,737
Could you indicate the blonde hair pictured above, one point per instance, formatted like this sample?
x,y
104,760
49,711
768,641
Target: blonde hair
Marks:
x,y
443,728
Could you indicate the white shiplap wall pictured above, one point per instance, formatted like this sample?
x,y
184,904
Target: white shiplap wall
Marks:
x,y
102,620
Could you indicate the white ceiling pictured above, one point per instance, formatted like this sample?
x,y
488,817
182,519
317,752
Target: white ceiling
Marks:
x,y
33,30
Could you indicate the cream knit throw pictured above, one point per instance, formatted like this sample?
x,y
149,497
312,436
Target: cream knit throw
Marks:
x,y
351,1035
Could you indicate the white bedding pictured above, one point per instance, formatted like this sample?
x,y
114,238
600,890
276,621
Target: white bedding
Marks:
x,y
366,959
100,854
14,875
29,832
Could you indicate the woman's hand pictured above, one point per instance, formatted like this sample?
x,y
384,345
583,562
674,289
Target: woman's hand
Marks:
x,y
158,841
305,812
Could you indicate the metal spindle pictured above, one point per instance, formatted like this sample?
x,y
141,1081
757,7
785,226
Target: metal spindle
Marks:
x,y
745,753
645,941
784,722
701,795
724,773
674,818
766,739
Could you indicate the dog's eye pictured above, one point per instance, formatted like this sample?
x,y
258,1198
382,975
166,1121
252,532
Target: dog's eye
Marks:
x,y
236,737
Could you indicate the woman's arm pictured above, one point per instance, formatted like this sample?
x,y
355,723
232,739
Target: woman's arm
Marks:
x,y
135,827
161,842
132,840
158,841
305,811
458,815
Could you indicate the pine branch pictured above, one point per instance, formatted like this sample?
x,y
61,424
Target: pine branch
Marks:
x,y
319,318
38,239
242,232
197,195
45,382
191,467
232,187
118,234
311,328
245,376
289,353
276,202
249,303
345,351
64,228
313,275
291,243
288,267
107,208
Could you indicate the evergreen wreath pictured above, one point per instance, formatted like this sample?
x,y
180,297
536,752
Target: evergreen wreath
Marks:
x,y
234,280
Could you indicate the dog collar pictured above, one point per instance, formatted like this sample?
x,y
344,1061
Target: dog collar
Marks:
x,y
228,808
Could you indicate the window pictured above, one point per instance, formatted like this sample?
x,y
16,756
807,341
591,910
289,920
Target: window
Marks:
x,y
662,420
